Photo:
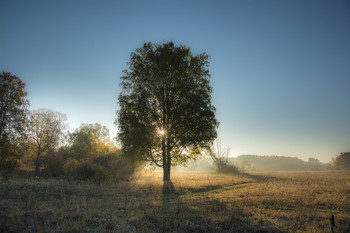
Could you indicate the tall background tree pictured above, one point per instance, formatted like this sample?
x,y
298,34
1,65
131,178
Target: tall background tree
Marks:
x,y
13,109
45,130
166,116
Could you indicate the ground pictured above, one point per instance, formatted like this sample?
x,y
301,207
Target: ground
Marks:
x,y
194,202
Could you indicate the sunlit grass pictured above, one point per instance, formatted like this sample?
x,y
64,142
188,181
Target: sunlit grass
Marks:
x,y
202,202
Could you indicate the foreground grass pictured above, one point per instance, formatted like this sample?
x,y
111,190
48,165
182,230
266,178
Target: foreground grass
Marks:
x,y
201,202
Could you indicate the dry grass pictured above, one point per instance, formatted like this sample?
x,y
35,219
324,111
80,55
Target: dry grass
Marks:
x,y
202,202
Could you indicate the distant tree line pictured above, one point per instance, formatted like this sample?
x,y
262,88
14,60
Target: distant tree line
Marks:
x,y
221,163
277,163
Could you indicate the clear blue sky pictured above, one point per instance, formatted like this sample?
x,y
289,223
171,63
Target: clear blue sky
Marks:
x,y
280,69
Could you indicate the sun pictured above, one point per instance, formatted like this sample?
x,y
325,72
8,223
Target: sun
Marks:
x,y
161,132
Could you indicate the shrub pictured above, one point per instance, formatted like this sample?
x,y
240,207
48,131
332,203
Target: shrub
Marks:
x,y
100,174
105,160
87,161
102,168
84,171
54,164
9,157
114,166
70,166
226,168
90,172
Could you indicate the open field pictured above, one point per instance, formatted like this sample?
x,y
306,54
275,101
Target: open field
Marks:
x,y
202,202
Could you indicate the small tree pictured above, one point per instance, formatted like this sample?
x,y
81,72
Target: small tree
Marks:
x,y
220,159
91,154
90,141
13,109
219,155
166,116
45,130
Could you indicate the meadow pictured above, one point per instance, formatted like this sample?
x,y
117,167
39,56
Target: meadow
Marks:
x,y
198,202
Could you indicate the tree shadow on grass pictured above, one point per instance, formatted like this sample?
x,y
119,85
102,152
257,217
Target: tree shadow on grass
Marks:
x,y
218,188
181,213
168,188
260,177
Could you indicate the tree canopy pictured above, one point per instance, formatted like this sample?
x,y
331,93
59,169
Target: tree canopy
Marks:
x,y
90,141
45,130
13,106
166,116
13,109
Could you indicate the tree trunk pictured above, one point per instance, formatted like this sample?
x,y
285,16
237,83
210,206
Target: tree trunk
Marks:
x,y
37,163
166,173
166,167
168,159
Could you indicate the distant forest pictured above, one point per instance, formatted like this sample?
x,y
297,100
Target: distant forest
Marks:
x,y
277,163
264,163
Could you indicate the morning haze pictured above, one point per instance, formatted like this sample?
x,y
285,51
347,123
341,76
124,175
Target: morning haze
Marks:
x,y
174,116
279,70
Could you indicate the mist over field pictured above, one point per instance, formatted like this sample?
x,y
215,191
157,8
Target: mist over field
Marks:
x,y
175,116
261,163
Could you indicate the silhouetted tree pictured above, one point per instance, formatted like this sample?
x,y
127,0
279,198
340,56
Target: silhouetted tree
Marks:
x,y
45,129
13,108
166,115
342,161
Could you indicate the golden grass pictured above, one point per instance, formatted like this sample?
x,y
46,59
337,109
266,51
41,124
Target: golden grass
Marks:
x,y
202,202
